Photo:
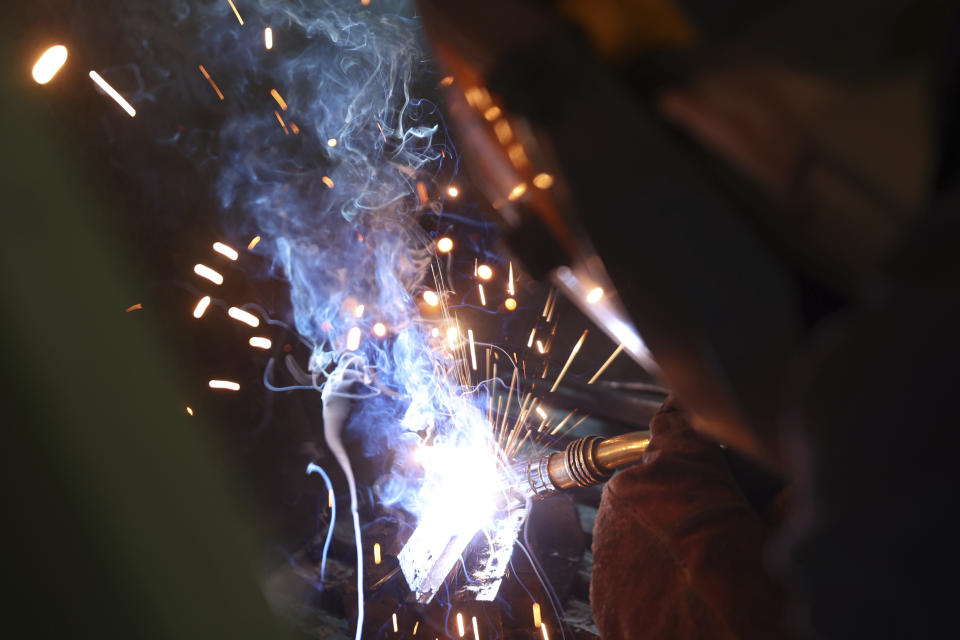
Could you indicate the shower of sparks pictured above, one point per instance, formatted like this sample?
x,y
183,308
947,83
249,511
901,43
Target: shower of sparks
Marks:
x,y
224,384
268,38
476,632
210,80
396,627
253,243
594,295
229,252
189,410
49,63
201,307
204,271
353,339
473,350
452,191
543,181
484,272
376,560
536,615
243,316
110,91
259,342
606,364
134,307
280,101
444,245
573,354
460,630
235,12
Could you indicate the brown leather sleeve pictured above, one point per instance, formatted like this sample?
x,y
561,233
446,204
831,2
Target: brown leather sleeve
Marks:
x,y
677,549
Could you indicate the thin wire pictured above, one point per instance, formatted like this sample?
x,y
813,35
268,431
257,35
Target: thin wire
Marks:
x,y
311,468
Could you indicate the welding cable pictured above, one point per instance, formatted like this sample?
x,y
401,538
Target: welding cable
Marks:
x,y
311,468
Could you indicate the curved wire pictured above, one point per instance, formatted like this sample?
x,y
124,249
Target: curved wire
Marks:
x,y
314,468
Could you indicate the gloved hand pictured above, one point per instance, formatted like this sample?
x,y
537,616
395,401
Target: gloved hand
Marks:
x,y
677,549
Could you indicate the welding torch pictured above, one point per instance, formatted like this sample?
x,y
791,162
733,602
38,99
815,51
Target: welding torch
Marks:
x,y
585,462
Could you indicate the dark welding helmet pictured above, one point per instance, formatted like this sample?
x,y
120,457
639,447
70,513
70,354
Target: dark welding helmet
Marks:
x,y
669,249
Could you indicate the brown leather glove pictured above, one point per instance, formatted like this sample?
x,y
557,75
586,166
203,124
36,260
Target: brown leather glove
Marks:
x,y
677,549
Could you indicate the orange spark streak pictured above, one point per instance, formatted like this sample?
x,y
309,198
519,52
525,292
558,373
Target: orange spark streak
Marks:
x,y
212,83
327,181
381,132
235,12
253,243
134,307
280,120
573,354
280,101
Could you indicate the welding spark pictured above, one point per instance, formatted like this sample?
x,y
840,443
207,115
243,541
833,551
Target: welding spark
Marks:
x,y
452,191
49,63
543,181
533,332
510,286
460,630
492,113
517,191
353,339
201,307
229,252
416,625
280,101
268,38
282,123
235,12
134,307
536,615
444,245
476,632
189,410
110,91
606,364
473,350
379,329
396,627
573,354
483,296
260,342
253,243
510,304
543,629
376,560
484,272
243,316
204,271
541,413
327,181
210,80
446,81
358,311
594,295
224,384
431,298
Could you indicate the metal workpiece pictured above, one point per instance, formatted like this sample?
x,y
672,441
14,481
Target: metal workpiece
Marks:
x,y
584,462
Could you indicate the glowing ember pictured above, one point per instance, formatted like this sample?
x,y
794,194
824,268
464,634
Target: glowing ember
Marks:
x,y
473,350
189,410
452,191
268,38
235,12
376,560
280,101
201,307
444,245
510,304
210,80
484,272
110,91
259,342
536,615
379,329
224,384
49,63
517,191
226,250
460,630
594,295
253,243
243,316
431,298
543,181
204,271
353,339
327,181
134,307
331,142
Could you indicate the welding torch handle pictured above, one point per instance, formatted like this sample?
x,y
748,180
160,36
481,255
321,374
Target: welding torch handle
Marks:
x,y
584,462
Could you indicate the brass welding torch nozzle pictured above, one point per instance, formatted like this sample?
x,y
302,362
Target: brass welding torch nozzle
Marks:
x,y
584,462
